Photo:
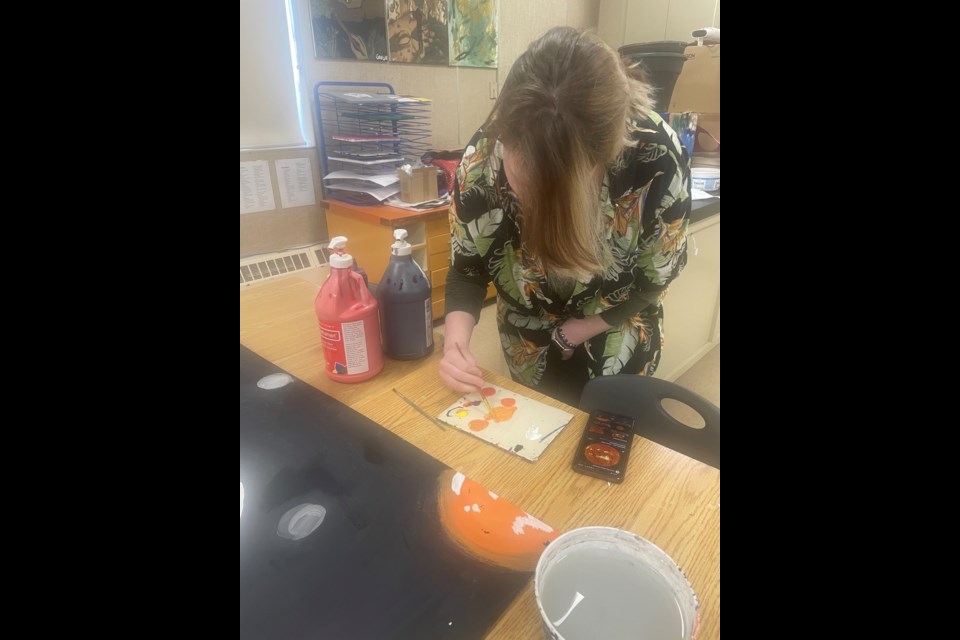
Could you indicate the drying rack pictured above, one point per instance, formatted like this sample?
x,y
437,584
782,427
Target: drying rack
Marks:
x,y
366,126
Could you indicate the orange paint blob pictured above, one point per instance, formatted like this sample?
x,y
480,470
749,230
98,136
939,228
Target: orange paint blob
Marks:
x,y
488,528
478,425
488,391
499,414
509,402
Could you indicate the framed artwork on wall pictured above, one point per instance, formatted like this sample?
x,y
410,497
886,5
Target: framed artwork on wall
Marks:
x,y
349,29
418,31
473,33
456,32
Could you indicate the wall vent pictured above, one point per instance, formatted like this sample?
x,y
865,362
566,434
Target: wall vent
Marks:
x,y
266,266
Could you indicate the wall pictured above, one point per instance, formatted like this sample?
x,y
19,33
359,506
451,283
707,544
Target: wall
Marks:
x,y
461,102
697,89
267,231
461,95
628,21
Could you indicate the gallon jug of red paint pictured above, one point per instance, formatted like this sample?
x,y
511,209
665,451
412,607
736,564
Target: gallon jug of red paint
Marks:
x,y
406,312
349,321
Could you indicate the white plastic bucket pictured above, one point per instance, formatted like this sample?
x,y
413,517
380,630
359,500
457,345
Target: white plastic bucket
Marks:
x,y
601,582
705,178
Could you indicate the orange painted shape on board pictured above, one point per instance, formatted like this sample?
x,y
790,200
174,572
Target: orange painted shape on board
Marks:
x,y
478,425
486,527
499,414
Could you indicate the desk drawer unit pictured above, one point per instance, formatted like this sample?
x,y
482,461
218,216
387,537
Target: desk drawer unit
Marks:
x,y
438,257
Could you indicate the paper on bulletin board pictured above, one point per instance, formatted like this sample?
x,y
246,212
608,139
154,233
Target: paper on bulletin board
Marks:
x,y
256,188
296,182
518,424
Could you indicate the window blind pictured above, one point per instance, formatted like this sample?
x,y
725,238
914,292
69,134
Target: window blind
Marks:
x,y
269,115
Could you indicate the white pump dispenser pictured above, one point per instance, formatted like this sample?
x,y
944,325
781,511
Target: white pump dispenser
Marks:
x,y
401,247
340,259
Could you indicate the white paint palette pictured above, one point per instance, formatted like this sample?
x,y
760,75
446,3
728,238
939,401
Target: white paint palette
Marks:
x,y
520,425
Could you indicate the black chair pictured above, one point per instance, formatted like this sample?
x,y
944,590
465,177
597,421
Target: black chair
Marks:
x,y
640,398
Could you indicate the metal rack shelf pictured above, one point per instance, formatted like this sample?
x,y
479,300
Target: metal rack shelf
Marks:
x,y
367,126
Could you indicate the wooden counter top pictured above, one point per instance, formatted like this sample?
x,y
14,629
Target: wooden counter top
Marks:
x,y
385,214
666,497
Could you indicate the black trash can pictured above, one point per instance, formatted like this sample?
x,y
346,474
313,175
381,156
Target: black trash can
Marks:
x,y
662,61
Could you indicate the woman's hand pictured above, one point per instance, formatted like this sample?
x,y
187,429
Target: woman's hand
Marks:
x,y
459,370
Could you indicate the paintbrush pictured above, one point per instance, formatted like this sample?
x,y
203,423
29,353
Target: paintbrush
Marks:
x,y
419,410
482,397
552,432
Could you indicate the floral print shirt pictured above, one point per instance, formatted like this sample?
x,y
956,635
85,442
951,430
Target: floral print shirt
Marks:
x,y
646,205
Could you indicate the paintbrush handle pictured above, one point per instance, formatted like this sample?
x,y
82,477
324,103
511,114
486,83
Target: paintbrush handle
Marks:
x,y
480,391
552,432
485,401
419,410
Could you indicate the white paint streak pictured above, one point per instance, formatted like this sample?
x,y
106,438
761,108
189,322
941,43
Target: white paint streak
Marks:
x,y
476,507
496,497
528,520
466,507
274,381
458,479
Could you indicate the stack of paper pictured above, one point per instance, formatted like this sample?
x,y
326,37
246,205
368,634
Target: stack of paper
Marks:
x,y
361,187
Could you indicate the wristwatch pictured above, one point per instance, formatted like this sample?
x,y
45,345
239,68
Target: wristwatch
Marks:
x,y
560,340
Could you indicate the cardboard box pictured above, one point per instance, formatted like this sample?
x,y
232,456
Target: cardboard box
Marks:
x,y
698,86
419,185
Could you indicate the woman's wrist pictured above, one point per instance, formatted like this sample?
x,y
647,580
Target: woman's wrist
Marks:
x,y
458,329
565,348
562,338
576,331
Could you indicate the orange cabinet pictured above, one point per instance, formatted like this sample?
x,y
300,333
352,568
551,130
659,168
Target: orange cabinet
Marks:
x,y
369,231
438,256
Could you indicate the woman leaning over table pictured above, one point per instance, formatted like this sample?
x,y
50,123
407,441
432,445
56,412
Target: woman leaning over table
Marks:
x,y
573,198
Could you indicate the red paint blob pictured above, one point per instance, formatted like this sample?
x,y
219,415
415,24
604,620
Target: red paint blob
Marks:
x,y
488,391
478,425
508,402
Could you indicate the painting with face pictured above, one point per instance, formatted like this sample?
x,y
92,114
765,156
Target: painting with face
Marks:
x,y
417,30
349,29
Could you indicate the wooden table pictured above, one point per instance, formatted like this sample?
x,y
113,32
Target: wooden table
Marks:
x,y
668,498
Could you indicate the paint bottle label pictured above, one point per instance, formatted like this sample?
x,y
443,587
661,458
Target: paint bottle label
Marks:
x,y
345,347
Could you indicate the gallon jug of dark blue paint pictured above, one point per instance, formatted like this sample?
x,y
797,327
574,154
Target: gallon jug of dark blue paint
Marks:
x,y
406,313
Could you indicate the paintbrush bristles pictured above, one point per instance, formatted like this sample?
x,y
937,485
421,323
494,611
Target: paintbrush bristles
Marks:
x,y
486,402
480,391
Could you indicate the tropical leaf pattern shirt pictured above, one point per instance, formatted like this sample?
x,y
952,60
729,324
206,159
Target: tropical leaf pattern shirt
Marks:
x,y
646,205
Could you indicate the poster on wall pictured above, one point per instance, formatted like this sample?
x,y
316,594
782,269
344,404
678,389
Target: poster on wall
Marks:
x,y
349,29
473,33
417,30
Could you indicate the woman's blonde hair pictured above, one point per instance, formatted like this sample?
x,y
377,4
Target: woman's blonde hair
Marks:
x,y
563,114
